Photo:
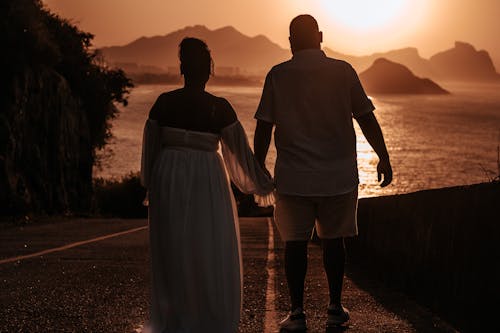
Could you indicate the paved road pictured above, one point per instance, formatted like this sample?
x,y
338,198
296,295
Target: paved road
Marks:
x,y
103,285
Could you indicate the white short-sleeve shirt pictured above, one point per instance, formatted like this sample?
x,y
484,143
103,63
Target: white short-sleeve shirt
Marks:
x,y
312,99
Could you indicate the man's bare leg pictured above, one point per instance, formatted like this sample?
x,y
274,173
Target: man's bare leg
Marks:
x,y
295,269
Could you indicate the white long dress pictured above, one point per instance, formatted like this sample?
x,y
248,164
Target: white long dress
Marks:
x,y
193,224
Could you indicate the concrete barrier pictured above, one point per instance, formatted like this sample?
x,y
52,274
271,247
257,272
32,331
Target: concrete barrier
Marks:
x,y
441,247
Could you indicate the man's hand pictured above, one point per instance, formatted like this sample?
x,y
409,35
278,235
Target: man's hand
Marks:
x,y
384,169
373,134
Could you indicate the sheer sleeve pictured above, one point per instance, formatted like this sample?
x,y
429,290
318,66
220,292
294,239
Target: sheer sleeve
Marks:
x,y
150,148
243,168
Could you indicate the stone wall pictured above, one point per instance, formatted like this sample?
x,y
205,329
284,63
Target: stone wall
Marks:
x,y
439,246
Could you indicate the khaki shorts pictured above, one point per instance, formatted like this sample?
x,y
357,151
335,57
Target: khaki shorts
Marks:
x,y
334,216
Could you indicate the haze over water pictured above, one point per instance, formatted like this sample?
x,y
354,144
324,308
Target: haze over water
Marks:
x,y
434,140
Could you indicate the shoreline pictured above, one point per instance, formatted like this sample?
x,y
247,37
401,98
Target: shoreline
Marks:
x,y
171,79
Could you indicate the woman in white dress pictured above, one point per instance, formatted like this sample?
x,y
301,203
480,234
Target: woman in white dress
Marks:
x,y
194,231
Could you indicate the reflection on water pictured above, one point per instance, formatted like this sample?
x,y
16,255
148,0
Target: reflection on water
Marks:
x,y
434,141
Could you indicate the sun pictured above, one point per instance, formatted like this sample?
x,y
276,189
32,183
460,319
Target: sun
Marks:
x,y
362,15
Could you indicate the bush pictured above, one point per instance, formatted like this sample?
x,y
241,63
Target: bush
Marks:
x,y
120,197
124,198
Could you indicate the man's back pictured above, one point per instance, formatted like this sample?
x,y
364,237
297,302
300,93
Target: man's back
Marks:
x,y
311,99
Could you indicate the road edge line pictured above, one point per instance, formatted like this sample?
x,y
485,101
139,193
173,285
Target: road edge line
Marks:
x,y
270,320
69,246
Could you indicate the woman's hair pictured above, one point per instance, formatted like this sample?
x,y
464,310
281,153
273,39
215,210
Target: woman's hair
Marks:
x,y
196,61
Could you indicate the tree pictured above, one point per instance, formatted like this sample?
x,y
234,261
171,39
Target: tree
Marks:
x,y
44,53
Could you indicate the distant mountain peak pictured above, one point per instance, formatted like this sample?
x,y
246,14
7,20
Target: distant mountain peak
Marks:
x,y
262,37
190,31
197,27
406,51
392,68
464,46
388,77
230,48
384,62
464,62
227,28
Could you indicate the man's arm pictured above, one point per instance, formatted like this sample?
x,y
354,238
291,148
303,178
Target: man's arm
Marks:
x,y
261,141
373,134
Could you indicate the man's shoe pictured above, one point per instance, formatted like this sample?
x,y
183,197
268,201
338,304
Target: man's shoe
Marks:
x,y
295,321
337,315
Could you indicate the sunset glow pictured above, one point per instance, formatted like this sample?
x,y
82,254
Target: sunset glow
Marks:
x,y
366,14
182,166
357,27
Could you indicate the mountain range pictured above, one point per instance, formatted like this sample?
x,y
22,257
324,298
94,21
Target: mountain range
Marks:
x,y
230,48
256,55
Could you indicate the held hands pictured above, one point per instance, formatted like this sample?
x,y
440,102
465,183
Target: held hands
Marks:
x,y
145,202
268,174
265,170
384,169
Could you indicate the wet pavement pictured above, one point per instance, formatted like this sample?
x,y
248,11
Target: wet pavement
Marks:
x,y
103,286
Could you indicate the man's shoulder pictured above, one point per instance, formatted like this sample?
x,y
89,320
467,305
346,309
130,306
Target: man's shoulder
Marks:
x,y
168,96
340,67
330,65
338,63
281,66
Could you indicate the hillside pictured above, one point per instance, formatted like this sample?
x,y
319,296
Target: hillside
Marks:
x,y
387,77
464,63
230,48
408,56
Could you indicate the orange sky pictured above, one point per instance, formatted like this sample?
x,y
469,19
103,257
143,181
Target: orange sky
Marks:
x,y
429,25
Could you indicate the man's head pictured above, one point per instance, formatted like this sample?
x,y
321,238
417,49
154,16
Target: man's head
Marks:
x,y
304,33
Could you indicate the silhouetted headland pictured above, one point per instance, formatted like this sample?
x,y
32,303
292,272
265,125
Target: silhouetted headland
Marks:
x,y
387,77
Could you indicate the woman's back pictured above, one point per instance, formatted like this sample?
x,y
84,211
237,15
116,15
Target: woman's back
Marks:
x,y
193,221
193,110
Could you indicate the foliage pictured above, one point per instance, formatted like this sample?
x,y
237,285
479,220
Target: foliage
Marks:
x,y
121,198
55,110
36,37
124,197
26,37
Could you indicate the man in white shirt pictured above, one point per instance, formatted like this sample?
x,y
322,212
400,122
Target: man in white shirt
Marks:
x,y
311,100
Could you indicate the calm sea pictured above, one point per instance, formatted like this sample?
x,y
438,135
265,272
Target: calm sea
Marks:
x,y
434,141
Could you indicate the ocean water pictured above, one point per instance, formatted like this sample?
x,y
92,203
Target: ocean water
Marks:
x,y
433,141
